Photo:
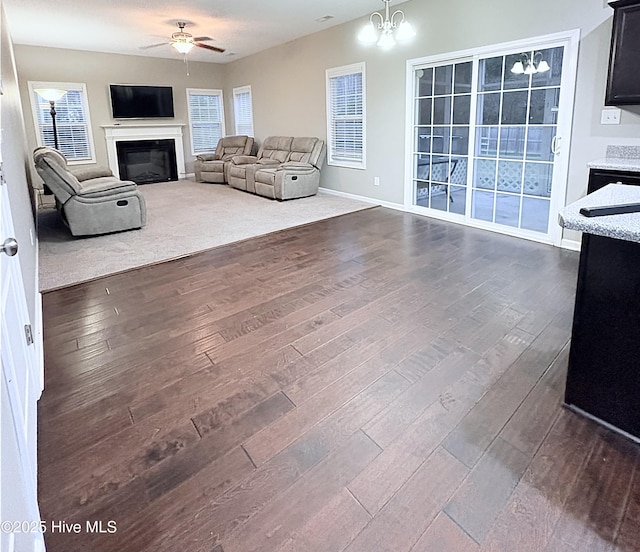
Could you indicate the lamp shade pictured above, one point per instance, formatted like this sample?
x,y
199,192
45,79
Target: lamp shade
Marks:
x,y
50,94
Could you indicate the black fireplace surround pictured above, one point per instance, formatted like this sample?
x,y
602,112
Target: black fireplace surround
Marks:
x,y
147,161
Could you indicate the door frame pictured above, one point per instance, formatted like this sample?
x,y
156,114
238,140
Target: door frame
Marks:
x,y
570,40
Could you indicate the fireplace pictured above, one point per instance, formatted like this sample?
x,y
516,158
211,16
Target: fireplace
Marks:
x,y
117,134
146,161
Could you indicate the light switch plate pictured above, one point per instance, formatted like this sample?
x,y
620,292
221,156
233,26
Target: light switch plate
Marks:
x,y
610,116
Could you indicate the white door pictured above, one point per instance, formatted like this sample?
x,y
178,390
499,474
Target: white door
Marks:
x,y
490,135
21,383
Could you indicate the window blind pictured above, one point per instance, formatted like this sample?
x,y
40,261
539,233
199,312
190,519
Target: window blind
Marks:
x,y
206,119
243,110
346,118
72,122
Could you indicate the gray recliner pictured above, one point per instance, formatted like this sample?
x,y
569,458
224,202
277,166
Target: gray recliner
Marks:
x,y
91,200
213,167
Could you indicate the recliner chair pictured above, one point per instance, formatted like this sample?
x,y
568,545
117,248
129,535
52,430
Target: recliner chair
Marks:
x,y
213,167
91,200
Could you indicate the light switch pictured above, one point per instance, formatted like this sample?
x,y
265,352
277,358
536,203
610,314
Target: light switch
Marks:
x,y
610,116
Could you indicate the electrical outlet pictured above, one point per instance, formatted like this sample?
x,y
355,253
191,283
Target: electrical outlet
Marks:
x,y
376,181
610,116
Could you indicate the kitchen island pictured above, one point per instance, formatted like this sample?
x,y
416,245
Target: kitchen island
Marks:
x,y
603,379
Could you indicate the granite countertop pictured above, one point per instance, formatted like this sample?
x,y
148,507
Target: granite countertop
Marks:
x,y
621,227
615,164
619,158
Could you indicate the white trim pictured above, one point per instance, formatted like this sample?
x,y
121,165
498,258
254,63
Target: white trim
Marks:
x,y
236,92
205,92
570,41
573,245
566,244
339,72
503,47
33,85
365,199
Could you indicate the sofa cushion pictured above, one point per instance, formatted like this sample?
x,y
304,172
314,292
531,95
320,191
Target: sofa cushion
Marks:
x,y
277,148
301,149
266,176
212,166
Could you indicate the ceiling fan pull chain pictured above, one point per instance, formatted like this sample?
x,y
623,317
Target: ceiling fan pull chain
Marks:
x,y
186,61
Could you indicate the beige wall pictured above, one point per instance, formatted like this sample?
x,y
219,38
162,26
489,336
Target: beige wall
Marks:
x,y
288,82
97,70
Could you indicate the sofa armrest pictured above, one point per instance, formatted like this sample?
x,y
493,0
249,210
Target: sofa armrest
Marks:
x,y
269,163
296,166
244,159
207,157
87,173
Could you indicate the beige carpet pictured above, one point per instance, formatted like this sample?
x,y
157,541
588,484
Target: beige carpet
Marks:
x,y
182,218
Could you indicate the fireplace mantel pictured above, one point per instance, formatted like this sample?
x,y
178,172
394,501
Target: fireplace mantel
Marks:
x,y
144,131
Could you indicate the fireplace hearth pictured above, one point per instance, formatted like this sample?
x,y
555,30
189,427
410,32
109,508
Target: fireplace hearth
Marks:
x,y
147,161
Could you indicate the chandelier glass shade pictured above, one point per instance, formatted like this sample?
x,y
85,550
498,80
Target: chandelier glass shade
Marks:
x,y
530,64
386,30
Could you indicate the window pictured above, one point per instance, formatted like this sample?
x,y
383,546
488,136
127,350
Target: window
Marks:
x,y
243,111
73,126
346,116
206,119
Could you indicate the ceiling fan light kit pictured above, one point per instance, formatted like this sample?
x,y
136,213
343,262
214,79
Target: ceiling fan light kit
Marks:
x,y
183,42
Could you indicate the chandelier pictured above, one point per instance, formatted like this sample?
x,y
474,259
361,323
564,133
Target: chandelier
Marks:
x,y
530,64
388,30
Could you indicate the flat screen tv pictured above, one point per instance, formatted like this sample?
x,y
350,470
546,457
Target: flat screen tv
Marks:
x,y
141,102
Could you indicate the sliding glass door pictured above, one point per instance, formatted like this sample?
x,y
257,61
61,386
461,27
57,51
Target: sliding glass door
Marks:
x,y
485,137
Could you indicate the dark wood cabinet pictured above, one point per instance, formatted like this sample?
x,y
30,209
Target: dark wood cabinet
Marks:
x,y
599,178
623,82
603,378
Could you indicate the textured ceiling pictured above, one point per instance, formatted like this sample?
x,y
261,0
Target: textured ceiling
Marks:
x,y
242,27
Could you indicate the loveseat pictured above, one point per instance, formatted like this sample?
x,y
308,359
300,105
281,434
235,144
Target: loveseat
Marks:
x,y
284,168
213,167
91,200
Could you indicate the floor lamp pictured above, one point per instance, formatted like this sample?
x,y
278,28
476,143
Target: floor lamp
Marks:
x,y
52,95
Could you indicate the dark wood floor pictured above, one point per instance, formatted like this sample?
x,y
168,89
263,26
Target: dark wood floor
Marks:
x,y
374,382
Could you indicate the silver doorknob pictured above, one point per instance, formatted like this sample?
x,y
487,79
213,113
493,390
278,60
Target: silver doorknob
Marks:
x,y
10,247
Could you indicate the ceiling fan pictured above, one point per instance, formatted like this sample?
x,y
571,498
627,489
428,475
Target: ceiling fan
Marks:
x,y
183,41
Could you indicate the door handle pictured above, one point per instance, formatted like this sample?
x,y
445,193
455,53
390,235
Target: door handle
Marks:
x,y
555,144
10,247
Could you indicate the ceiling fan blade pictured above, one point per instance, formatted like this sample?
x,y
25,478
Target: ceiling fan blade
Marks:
x,y
214,48
201,38
153,45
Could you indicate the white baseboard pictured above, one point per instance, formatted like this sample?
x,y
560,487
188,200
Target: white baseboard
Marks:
x,y
574,245
389,204
565,244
